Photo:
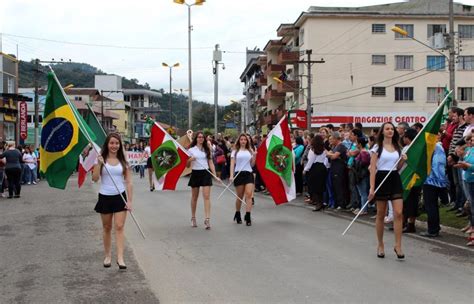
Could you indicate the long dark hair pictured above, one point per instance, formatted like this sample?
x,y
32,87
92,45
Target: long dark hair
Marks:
x,y
317,144
120,152
237,142
205,144
395,139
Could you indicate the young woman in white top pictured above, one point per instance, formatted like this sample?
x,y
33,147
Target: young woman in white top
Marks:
x,y
242,159
316,171
201,162
384,156
110,204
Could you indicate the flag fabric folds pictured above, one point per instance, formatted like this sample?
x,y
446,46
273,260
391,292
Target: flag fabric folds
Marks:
x,y
420,152
275,162
167,157
88,157
63,137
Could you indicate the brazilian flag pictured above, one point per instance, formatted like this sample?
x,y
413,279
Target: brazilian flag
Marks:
x,y
63,137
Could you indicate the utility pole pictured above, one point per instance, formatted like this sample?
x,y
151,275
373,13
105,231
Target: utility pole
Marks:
x,y
217,58
310,77
37,61
452,53
171,79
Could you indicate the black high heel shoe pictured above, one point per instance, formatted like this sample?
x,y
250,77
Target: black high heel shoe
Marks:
x,y
248,220
107,265
399,256
380,254
121,267
237,217
319,207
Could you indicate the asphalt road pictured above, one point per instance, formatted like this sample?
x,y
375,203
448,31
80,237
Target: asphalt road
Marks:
x,y
288,255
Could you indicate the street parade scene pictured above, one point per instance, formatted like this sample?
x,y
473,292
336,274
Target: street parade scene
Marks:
x,y
305,152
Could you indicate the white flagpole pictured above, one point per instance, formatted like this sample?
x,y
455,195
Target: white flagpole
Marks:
x,y
393,168
92,143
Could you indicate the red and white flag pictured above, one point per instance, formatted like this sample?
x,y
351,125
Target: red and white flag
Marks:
x,y
275,163
87,160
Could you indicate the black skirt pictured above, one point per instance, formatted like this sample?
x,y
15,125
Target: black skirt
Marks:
x,y
243,178
391,189
317,176
149,165
200,178
110,203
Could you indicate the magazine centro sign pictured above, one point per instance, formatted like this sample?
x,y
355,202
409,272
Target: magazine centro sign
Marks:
x,y
298,120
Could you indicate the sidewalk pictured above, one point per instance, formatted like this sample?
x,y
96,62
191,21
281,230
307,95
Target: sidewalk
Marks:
x,y
51,251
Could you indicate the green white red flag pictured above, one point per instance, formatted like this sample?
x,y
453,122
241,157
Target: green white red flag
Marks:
x,y
167,157
275,163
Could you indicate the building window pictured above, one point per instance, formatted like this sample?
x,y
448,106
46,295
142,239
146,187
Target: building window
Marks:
x,y
77,98
378,59
301,36
466,63
436,28
378,91
435,63
434,94
28,119
465,94
407,27
11,85
9,131
378,28
404,94
466,31
403,62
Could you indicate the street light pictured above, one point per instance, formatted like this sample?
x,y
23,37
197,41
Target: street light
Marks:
x,y
404,33
190,97
171,80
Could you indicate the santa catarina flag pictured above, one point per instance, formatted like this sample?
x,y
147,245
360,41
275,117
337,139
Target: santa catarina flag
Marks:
x,y
275,163
88,157
167,157
63,137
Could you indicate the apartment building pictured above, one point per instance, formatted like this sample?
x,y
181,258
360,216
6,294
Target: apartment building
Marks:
x,y
370,74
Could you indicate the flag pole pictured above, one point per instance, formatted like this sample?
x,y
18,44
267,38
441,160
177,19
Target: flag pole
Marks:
x,y
93,146
394,166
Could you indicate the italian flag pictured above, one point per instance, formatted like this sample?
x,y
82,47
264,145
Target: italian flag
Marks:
x,y
168,158
88,157
275,163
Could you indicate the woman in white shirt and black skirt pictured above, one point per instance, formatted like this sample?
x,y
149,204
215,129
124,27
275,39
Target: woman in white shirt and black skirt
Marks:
x,y
110,204
384,156
242,159
201,162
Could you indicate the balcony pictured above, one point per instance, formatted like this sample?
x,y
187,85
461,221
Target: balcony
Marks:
x,y
262,80
262,60
261,102
288,86
274,69
288,57
270,119
273,94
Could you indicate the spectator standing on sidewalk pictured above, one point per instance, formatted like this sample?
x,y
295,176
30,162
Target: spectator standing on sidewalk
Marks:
x,y
2,168
352,154
298,149
30,166
13,169
338,159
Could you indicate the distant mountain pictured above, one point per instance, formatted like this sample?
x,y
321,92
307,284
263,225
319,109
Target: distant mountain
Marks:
x,y
82,76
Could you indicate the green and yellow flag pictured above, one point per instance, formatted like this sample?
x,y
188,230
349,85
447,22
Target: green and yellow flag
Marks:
x,y
63,137
420,152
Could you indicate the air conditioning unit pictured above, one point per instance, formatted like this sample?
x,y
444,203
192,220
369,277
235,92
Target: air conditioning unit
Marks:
x,y
438,41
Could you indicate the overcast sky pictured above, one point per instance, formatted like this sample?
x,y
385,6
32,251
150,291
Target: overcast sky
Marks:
x,y
153,24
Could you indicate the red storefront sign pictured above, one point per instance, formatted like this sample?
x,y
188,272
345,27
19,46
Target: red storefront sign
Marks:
x,y
23,120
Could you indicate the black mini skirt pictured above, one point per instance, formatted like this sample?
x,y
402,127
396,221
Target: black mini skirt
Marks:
x,y
200,178
391,189
243,178
149,165
110,203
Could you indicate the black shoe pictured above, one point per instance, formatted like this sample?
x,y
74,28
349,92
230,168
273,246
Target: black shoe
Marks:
x,y
430,235
399,256
253,201
17,196
107,265
248,220
237,217
152,189
319,207
10,197
380,255
410,228
121,267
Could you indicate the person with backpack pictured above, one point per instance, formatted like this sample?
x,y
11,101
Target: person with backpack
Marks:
x,y
361,173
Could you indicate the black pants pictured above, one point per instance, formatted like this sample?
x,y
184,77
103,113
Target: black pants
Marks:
x,y
299,178
431,195
338,184
14,178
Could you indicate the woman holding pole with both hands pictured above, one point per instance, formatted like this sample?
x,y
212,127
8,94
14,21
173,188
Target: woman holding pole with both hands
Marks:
x,y
386,160
241,161
201,162
113,171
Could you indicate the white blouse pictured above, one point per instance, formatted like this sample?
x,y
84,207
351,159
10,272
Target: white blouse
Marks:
x,y
242,162
313,158
107,186
201,162
387,160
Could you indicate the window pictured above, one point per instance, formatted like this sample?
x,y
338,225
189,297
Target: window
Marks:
x,y
301,36
77,98
436,28
378,91
378,28
28,119
403,62
404,94
378,59
466,31
11,85
434,94
465,94
466,63
435,63
406,27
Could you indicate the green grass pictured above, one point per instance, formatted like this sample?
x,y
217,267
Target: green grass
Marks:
x,y
447,218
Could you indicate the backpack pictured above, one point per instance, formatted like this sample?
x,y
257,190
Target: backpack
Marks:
x,y
361,166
